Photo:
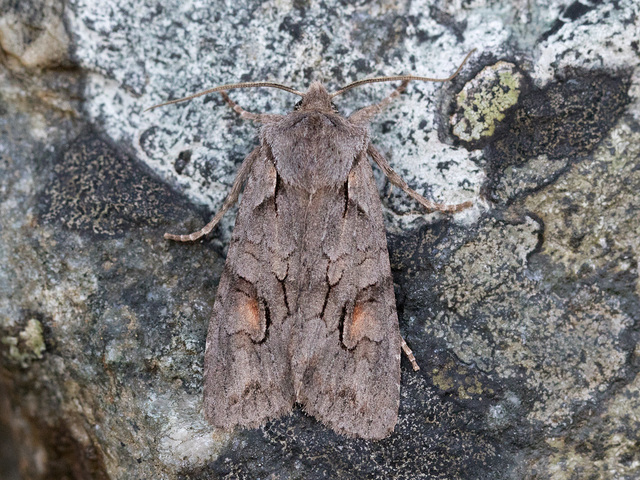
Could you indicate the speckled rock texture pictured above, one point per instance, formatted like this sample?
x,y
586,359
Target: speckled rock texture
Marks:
x,y
523,311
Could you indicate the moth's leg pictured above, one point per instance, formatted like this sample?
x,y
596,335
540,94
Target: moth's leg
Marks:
x,y
245,168
364,115
407,351
396,180
256,117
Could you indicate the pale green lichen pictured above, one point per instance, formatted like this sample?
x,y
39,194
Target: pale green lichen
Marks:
x,y
482,102
605,445
565,346
28,345
454,377
598,233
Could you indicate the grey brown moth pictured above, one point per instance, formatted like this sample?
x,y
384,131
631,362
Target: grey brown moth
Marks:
x,y
305,311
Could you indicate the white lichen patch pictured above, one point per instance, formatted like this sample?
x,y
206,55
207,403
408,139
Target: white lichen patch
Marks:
x,y
603,38
185,438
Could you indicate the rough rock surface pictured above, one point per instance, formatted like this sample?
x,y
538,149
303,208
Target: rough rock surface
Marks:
x,y
523,312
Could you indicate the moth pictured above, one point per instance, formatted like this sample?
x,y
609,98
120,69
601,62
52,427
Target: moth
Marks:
x,y
305,310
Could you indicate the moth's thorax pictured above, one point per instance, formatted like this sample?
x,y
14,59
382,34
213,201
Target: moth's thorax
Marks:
x,y
314,147
317,99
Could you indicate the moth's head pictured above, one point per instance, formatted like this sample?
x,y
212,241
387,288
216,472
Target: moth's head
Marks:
x,y
317,99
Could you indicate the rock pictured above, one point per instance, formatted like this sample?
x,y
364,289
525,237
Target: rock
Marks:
x,y
522,312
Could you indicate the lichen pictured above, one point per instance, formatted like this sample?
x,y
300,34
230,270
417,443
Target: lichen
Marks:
x,y
464,381
566,346
484,99
603,447
28,345
586,213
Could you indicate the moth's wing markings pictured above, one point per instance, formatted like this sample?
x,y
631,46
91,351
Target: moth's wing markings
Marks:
x,y
246,381
352,380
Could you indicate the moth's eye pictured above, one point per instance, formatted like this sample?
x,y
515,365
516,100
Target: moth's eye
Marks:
x,y
297,105
334,108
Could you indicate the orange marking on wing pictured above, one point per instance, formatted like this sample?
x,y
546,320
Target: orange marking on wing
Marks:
x,y
359,321
250,311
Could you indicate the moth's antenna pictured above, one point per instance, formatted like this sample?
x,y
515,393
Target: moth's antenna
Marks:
x,y
401,77
229,86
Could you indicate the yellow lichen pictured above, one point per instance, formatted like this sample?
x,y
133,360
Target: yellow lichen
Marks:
x,y
482,102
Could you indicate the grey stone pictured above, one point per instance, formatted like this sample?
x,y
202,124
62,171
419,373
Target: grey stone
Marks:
x,y
523,312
